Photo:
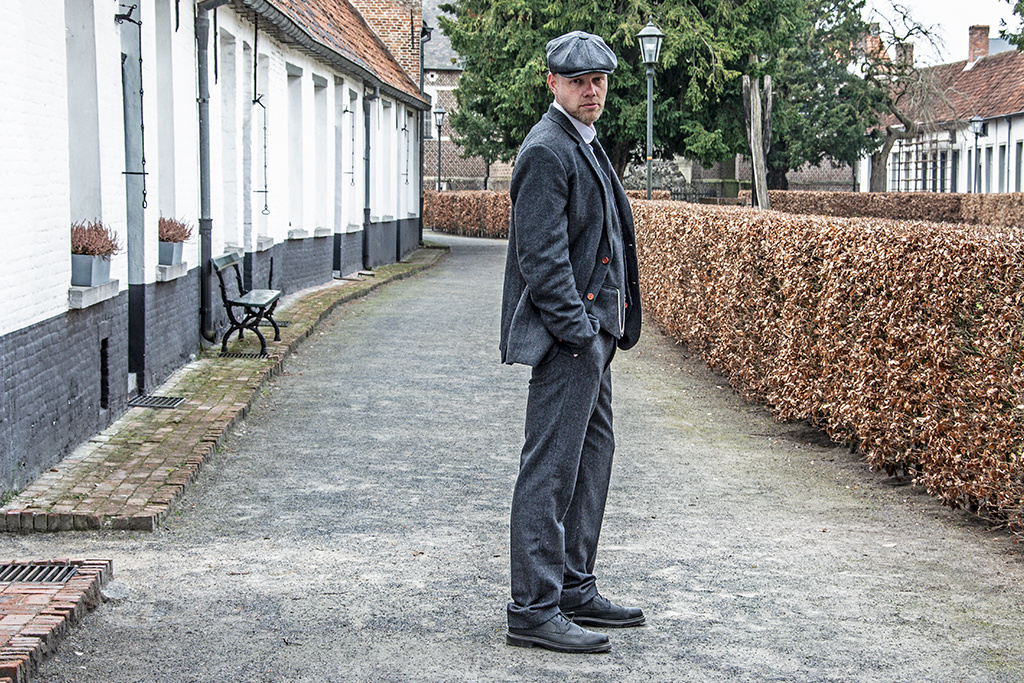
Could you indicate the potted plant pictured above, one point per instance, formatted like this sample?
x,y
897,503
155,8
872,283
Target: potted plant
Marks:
x,y
173,234
92,245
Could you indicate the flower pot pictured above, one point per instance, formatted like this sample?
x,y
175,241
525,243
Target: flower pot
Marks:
x,y
170,253
89,271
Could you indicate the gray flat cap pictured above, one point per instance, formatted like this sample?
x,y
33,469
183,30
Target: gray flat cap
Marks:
x,y
577,53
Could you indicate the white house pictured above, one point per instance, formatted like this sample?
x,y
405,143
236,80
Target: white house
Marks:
x,y
953,154
284,130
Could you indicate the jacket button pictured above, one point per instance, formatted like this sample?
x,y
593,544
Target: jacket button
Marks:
x,y
625,305
604,260
590,297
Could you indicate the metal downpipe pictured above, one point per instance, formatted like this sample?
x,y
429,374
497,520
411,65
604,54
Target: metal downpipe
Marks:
x,y
206,328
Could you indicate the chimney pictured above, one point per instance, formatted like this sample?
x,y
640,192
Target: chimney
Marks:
x,y
978,46
905,54
397,23
873,47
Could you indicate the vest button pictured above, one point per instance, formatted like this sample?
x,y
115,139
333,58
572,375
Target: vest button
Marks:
x,y
590,296
604,260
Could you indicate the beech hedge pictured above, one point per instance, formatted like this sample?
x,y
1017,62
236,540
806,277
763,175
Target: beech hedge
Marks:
x,y
903,338
481,213
1006,209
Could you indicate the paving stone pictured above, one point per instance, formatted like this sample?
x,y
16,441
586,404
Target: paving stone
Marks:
x,y
100,484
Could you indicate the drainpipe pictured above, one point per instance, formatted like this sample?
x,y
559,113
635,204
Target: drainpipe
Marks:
x,y
367,105
205,221
425,34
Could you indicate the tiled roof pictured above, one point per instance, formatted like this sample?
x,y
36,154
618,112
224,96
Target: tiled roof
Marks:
x,y
337,26
992,87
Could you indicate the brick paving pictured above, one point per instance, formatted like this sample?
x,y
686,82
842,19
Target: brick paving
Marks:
x,y
130,475
34,617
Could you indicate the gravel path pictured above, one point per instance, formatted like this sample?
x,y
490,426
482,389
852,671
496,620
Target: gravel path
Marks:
x,y
354,529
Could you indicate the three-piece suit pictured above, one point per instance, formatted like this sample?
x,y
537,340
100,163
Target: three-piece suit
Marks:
x,y
571,297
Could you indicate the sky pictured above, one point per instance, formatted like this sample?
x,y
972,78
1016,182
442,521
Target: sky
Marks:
x,y
951,20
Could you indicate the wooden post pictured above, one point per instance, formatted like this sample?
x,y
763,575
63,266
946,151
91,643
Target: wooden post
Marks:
x,y
759,133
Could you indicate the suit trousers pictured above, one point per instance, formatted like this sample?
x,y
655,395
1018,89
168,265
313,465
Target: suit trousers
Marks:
x,y
564,471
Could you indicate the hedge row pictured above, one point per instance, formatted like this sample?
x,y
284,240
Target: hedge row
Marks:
x,y
904,338
1006,209
481,213
475,213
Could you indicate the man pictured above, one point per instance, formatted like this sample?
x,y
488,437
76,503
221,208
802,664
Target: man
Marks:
x,y
571,296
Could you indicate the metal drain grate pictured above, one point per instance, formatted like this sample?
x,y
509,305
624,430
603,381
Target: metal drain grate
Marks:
x,y
235,354
37,573
156,401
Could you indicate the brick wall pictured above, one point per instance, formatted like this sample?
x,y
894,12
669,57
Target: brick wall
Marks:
x,y
171,332
457,171
52,386
397,23
34,170
302,263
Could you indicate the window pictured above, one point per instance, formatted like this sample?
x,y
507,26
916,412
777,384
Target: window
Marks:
x,y
970,173
988,169
83,117
1002,168
295,160
320,150
1020,152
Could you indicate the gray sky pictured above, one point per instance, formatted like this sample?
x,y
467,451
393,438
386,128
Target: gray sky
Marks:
x,y
951,19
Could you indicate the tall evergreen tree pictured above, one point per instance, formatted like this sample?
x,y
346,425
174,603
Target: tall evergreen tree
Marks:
x,y
822,109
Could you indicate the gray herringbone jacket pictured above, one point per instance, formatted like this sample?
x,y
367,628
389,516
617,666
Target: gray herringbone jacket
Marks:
x,y
561,207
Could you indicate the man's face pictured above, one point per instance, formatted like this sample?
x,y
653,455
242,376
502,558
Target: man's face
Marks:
x,y
581,96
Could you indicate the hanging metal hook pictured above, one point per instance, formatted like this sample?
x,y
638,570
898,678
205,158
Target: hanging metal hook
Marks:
x,y
127,16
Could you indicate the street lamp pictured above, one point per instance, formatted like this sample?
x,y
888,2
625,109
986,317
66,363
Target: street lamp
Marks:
x,y
650,47
977,127
439,121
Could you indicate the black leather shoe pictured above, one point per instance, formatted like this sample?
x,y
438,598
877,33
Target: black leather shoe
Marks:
x,y
560,634
600,612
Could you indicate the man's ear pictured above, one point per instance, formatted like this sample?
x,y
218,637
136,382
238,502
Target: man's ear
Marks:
x,y
551,83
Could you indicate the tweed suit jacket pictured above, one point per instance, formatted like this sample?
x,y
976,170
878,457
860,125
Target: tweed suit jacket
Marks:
x,y
562,206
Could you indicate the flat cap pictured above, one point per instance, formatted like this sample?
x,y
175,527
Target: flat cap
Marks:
x,y
577,53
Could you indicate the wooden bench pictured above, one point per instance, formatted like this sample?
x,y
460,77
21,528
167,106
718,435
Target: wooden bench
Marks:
x,y
248,308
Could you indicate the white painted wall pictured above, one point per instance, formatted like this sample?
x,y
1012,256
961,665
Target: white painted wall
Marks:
x,y
1000,160
36,178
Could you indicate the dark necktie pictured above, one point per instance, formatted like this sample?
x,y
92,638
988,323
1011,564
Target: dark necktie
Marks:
x,y
602,158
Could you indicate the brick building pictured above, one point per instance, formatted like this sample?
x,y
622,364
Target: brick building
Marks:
x,y
308,167
441,66
947,155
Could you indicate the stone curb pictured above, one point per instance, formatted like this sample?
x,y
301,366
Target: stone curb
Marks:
x,y
35,617
132,474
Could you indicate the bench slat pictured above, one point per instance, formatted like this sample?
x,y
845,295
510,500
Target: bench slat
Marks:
x,y
257,297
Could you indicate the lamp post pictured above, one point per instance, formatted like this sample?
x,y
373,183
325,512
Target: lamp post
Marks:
x,y
439,121
977,127
650,47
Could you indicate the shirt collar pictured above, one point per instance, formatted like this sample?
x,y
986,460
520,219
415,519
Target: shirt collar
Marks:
x,y
586,130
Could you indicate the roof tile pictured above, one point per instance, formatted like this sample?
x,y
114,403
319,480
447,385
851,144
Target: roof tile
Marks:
x,y
336,24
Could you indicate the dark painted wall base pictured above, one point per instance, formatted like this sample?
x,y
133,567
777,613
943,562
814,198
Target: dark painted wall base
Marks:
x,y
66,378
63,380
391,241
348,252
170,337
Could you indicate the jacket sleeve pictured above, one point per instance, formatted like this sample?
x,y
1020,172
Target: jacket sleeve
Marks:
x,y
540,212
